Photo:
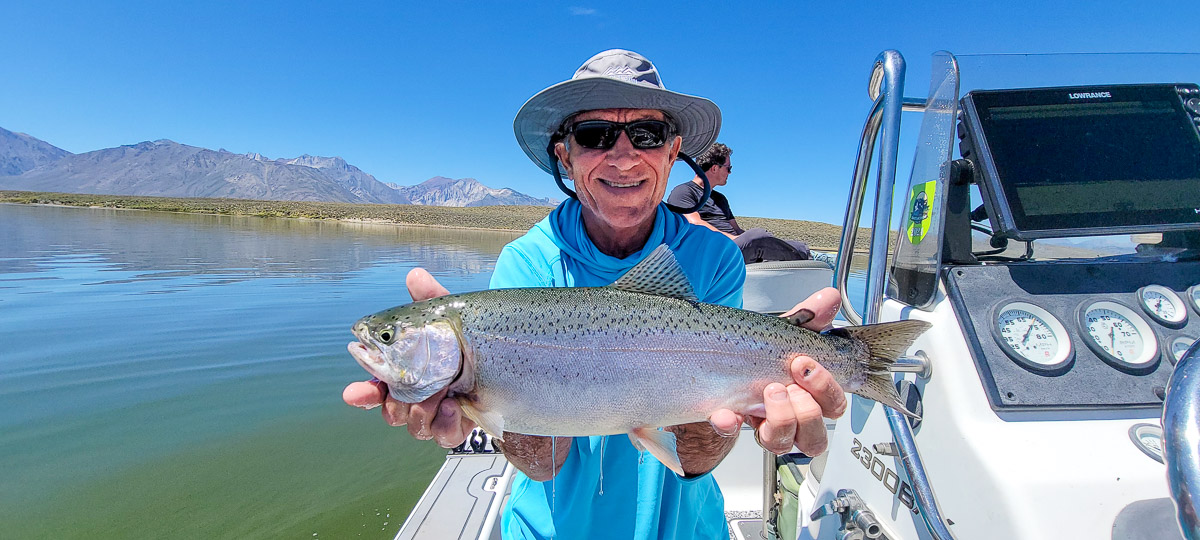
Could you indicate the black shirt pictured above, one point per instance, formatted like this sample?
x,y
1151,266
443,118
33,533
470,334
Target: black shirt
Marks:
x,y
715,211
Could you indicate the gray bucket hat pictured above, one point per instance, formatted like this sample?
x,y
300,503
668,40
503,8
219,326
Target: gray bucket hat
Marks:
x,y
613,79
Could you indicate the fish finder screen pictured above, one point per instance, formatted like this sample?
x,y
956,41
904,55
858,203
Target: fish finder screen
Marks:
x,y
1088,158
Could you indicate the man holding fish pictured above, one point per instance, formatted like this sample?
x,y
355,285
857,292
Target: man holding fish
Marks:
x,y
616,131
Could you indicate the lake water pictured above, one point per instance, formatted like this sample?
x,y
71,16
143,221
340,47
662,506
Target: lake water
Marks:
x,y
177,375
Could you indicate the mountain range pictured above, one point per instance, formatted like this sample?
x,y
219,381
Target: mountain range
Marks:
x,y
169,169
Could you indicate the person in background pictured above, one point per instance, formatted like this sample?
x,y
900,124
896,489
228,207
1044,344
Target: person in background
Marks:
x,y
616,131
756,244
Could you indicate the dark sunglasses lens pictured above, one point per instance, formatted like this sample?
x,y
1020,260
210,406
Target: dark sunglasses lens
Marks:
x,y
647,134
596,134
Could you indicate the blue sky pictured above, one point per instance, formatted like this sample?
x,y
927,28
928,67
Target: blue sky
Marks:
x,y
411,91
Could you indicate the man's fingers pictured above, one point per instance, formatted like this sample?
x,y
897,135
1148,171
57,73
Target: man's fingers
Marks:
x,y
823,306
420,419
810,429
421,416
778,431
422,286
726,422
364,394
395,413
818,382
450,427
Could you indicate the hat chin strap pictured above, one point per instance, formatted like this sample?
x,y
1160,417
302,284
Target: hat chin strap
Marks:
x,y
678,210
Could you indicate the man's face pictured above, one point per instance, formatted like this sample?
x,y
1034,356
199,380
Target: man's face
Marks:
x,y
719,175
620,187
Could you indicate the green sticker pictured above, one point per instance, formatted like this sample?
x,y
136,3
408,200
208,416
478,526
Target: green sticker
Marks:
x,y
920,210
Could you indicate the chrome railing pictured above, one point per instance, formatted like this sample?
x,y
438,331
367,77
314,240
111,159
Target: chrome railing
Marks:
x,y
862,168
886,90
1181,441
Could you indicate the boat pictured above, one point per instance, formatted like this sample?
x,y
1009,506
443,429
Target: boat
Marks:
x,y
1059,395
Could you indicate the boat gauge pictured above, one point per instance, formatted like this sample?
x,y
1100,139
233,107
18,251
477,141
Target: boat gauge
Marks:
x,y
1032,336
1163,305
1194,295
1180,346
1149,439
1118,335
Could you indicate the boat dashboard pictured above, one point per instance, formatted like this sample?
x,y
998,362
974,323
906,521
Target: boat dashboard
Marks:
x,y
1056,162
1076,335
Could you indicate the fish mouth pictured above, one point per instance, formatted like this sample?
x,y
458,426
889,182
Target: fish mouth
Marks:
x,y
369,358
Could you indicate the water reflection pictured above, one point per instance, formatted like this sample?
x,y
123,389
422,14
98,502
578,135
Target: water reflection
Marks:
x,y
226,249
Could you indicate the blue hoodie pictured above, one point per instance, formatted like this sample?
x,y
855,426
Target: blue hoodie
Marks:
x,y
607,488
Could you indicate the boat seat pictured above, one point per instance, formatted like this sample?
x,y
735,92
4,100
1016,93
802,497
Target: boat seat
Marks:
x,y
777,286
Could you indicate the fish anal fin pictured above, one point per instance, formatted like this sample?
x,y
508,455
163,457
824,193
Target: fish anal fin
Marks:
x,y
659,273
491,421
660,444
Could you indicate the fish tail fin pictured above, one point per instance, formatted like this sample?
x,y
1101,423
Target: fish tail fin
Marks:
x,y
660,444
885,342
888,341
879,387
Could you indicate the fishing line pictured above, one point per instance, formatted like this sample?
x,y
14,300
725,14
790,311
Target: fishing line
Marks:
x,y
603,439
553,471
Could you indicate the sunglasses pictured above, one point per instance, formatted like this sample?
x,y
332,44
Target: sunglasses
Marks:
x,y
602,134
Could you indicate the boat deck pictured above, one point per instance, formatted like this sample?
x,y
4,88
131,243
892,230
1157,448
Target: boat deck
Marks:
x,y
458,502
465,498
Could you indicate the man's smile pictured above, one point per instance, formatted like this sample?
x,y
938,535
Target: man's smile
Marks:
x,y
622,184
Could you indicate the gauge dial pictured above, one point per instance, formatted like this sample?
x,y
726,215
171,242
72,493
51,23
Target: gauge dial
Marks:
x,y
1149,439
1194,296
1032,336
1162,304
1119,335
1179,346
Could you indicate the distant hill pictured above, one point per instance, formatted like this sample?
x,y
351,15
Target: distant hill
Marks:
x,y
20,152
165,168
168,169
464,192
352,178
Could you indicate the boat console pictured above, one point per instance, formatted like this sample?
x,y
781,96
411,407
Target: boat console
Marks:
x,y
1053,364
1078,161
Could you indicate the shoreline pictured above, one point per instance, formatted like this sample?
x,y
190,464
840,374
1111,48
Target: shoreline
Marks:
x,y
508,219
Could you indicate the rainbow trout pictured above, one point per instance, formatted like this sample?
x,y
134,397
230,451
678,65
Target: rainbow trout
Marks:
x,y
639,354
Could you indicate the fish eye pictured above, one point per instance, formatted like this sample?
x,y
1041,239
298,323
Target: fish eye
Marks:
x,y
387,335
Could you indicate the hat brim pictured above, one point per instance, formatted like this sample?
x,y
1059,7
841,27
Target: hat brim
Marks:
x,y
698,119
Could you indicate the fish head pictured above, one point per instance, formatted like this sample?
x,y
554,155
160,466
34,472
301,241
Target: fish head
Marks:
x,y
415,349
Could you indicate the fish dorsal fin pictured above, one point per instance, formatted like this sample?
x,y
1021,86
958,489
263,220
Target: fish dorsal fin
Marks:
x,y
659,273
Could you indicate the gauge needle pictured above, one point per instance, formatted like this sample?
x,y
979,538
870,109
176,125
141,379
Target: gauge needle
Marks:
x,y
1112,336
1027,333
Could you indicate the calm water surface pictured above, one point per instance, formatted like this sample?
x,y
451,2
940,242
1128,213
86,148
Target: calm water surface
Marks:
x,y
176,375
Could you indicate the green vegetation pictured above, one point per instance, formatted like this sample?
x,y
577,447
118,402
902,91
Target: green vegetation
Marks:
x,y
821,236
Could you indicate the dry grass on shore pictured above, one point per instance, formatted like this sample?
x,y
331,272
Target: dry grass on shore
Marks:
x,y
516,218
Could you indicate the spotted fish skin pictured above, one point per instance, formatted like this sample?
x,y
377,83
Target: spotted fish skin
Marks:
x,y
639,354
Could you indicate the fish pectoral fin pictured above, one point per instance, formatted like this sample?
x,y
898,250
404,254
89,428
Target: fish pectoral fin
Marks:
x,y
660,444
659,273
491,421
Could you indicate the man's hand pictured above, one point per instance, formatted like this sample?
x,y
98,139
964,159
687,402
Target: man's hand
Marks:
x,y
436,418
794,411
